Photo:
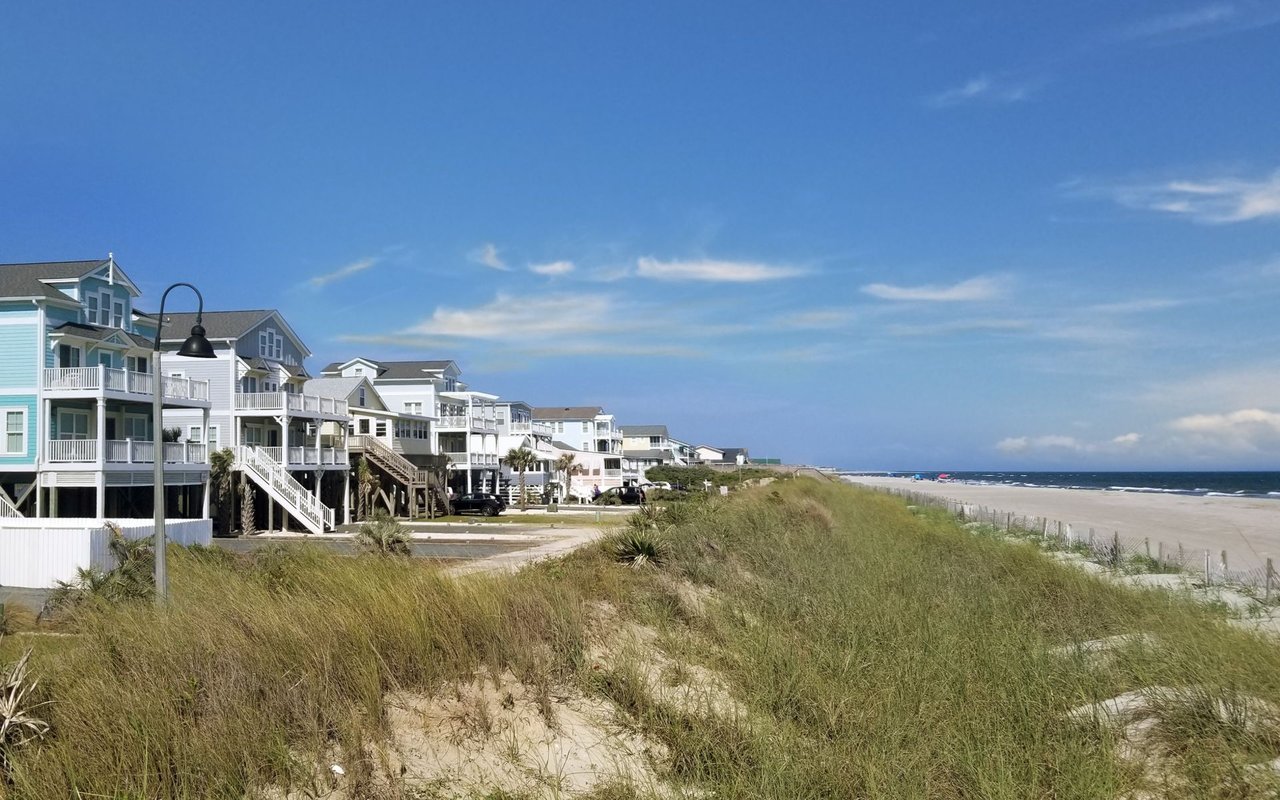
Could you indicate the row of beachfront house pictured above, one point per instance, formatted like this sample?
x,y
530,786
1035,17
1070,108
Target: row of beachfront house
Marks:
x,y
77,386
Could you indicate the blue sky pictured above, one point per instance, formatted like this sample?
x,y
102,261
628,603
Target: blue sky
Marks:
x,y
980,235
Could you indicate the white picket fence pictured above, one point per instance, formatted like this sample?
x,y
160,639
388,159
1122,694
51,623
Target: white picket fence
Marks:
x,y
37,553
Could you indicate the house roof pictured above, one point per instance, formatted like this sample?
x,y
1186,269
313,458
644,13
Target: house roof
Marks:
x,y
709,447
562,445
567,412
335,388
396,370
656,454
731,453
217,324
292,370
26,280
644,430
99,333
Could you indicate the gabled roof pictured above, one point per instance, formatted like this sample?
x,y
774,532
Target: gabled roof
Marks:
x,y
644,430
224,324
100,333
709,447
567,412
335,388
292,370
398,370
27,280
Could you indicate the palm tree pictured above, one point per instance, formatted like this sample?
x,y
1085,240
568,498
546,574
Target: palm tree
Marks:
x,y
367,486
565,464
222,483
384,535
521,459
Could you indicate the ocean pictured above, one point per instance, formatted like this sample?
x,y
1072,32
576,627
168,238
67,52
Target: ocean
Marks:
x,y
1241,484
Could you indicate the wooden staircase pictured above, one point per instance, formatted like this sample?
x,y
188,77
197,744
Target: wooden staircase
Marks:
x,y
418,482
280,486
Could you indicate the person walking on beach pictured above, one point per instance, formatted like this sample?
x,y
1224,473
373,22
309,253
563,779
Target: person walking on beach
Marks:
x,y
595,492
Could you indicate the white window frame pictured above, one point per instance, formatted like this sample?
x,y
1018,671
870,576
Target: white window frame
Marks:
x,y
71,348
146,427
138,364
194,433
362,399
117,314
91,308
62,431
5,450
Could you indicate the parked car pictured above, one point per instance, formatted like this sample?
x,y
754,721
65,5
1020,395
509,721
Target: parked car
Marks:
x,y
490,505
626,495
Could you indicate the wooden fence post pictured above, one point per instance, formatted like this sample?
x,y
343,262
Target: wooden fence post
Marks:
x,y
1115,548
1208,575
1266,597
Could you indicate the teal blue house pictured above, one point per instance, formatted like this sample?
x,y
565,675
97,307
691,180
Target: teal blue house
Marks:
x,y
76,389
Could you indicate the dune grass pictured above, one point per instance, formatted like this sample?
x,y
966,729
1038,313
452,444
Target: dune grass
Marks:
x,y
876,654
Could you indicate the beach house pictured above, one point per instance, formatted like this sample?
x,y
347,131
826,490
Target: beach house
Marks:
x,y
464,423
261,410
648,446
595,441
517,429
396,444
75,398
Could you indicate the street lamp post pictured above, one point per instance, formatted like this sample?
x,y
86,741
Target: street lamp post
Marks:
x,y
196,346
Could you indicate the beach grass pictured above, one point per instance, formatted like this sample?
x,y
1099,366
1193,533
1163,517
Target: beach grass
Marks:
x,y
870,652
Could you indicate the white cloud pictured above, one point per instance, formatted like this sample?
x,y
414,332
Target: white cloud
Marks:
x,y
1213,19
1059,443
342,272
515,318
1139,306
487,255
1247,430
982,89
713,271
553,268
966,291
1127,439
1215,201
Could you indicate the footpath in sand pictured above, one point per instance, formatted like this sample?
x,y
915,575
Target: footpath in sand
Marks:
x,y
1247,528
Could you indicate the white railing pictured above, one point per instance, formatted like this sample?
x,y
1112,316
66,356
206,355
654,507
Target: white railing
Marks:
x,y
120,380
464,459
452,422
72,450
128,451
306,456
294,496
277,401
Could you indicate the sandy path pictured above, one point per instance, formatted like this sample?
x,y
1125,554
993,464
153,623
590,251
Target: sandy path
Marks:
x,y
1247,528
566,540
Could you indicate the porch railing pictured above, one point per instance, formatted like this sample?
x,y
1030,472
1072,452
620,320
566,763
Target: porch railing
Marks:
x,y
123,451
98,378
279,401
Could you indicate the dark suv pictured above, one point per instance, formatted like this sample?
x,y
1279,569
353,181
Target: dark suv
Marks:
x,y
626,495
488,504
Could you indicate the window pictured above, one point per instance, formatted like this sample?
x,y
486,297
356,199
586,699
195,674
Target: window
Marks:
x,y
559,427
270,344
91,309
73,424
137,364
117,314
361,401
15,432
253,435
269,385
586,427
104,359
655,441
137,428
364,426
380,429
413,408
68,356
194,433
249,385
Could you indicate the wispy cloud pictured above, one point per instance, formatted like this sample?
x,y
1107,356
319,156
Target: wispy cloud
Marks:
x,y
552,269
974,289
515,318
347,271
1213,19
487,255
982,89
1215,201
713,271
815,319
1139,306
962,326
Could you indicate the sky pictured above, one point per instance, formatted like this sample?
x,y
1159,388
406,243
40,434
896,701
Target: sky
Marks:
x,y
984,235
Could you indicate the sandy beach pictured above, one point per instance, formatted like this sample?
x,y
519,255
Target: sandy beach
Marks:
x,y
1247,528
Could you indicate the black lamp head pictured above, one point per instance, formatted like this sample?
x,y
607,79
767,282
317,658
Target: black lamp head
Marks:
x,y
196,345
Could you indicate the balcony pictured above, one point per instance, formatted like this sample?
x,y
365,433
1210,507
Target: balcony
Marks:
x,y
121,451
289,401
465,422
463,460
303,457
141,385
537,428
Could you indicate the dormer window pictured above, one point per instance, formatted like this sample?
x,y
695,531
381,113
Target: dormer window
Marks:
x,y
91,309
451,384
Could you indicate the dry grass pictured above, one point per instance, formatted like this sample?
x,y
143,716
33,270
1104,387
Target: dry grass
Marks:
x,y
863,651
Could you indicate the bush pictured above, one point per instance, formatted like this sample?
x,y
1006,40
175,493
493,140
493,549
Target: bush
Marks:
x,y
638,549
384,536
